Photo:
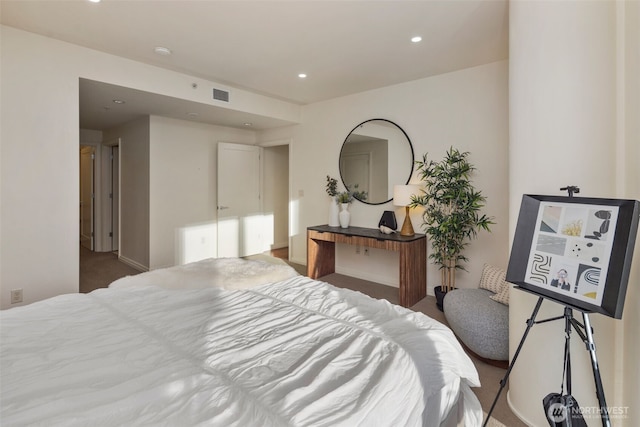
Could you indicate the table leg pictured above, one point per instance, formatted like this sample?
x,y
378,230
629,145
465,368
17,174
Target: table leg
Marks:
x,y
321,258
413,273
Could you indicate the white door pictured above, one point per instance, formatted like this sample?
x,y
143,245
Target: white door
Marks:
x,y
87,158
239,200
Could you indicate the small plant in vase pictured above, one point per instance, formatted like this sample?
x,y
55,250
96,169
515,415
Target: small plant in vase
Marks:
x,y
334,210
344,198
332,186
451,215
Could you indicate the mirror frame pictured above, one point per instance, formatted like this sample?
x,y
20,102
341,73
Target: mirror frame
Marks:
x,y
410,147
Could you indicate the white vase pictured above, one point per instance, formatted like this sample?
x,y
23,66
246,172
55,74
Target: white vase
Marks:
x,y
345,215
334,209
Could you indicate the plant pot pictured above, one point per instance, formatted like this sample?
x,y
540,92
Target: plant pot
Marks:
x,y
344,215
334,210
440,294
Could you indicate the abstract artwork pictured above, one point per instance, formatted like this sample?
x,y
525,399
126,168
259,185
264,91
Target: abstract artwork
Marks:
x,y
564,256
588,281
587,251
598,224
550,219
540,269
576,251
551,244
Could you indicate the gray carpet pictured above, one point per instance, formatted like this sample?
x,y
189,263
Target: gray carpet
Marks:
x,y
99,269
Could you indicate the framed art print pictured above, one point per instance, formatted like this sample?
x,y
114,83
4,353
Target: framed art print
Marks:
x,y
576,251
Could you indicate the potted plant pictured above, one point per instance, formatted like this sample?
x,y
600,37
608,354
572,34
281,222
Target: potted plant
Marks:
x,y
344,198
451,215
332,191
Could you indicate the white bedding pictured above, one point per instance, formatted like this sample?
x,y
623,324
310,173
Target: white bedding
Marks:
x,y
294,353
227,273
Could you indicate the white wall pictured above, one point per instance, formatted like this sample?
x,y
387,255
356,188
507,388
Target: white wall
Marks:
x,y
573,87
183,184
628,372
39,136
135,143
467,109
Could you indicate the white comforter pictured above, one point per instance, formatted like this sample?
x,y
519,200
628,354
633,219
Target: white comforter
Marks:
x,y
294,353
226,273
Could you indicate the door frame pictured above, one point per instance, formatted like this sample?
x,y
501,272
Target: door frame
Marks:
x,y
102,218
93,194
109,196
289,143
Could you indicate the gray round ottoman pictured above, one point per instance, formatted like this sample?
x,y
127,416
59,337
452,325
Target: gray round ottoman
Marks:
x,y
481,323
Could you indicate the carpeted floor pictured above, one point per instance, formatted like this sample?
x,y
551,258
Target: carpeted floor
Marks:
x,y
99,269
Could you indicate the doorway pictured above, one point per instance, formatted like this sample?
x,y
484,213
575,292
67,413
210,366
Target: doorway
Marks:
x,y
276,199
87,196
113,204
253,199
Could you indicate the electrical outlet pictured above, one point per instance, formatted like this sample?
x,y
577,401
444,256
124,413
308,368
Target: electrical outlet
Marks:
x,y
357,249
366,251
16,296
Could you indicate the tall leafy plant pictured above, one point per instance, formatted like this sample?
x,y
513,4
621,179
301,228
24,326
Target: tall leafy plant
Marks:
x,y
452,210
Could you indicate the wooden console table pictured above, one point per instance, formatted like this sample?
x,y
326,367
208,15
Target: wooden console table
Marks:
x,y
321,255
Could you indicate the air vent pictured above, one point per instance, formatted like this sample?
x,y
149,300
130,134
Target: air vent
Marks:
x,y
221,95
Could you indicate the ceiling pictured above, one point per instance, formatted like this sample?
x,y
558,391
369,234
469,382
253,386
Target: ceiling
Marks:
x,y
343,46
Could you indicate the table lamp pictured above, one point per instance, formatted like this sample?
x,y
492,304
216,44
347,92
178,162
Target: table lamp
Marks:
x,y
402,197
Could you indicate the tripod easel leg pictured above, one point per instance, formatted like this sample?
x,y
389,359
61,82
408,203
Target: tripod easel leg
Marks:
x,y
503,382
587,338
591,348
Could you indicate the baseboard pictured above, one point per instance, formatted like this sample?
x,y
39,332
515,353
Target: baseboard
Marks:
x,y
301,261
279,245
132,263
359,274
516,412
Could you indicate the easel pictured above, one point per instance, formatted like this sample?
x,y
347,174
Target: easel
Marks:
x,y
583,329
585,332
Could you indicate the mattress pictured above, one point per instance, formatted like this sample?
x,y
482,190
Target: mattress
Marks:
x,y
296,352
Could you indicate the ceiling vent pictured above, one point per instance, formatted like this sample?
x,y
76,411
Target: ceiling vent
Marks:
x,y
220,95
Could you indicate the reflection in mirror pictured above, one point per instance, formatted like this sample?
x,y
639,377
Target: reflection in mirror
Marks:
x,y
376,155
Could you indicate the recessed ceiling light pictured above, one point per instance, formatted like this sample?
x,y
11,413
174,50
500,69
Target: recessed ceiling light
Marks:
x,y
192,114
248,124
416,39
118,101
302,75
160,50
94,1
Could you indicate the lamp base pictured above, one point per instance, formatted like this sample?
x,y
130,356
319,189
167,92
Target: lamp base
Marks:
x,y
407,227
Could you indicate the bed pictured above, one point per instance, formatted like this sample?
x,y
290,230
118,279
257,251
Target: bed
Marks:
x,y
230,343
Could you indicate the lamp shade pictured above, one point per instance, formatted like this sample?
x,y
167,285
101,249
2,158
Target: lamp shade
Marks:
x,y
402,194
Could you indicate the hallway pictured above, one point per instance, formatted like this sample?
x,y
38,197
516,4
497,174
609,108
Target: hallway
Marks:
x,y
99,269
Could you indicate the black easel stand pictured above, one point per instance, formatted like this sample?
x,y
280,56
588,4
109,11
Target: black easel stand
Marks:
x,y
586,334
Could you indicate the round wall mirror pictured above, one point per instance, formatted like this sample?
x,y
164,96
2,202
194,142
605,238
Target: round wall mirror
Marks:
x,y
376,155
